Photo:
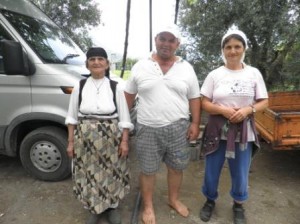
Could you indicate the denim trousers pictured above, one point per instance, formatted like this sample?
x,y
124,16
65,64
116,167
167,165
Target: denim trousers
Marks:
x,y
239,171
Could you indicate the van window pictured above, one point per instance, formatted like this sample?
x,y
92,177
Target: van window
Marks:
x,y
47,40
3,36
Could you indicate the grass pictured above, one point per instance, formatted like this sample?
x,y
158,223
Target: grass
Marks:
x,y
126,73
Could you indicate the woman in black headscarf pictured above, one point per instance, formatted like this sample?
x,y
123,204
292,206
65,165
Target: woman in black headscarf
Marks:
x,y
99,123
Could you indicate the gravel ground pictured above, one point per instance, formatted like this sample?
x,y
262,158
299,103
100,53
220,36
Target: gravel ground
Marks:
x,y
274,194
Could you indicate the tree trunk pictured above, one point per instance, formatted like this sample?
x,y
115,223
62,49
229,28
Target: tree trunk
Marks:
x,y
126,37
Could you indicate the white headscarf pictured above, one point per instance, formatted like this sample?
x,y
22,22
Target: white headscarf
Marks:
x,y
242,35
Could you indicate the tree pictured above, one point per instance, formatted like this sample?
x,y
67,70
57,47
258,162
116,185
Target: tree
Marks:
x,y
272,28
75,17
126,37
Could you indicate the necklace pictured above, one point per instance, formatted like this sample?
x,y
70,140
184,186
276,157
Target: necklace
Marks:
x,y
98,87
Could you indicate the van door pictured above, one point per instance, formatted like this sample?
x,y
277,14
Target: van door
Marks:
x,y
15,93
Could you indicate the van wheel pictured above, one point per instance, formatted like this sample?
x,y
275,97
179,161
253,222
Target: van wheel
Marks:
x,y
43,154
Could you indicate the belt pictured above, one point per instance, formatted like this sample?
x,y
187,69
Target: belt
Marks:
x,y
95,118
108,115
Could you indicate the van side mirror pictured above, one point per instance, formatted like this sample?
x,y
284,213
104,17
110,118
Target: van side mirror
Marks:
x,y
15,61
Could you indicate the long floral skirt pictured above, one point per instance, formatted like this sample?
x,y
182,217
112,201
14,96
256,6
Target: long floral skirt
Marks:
x,y
101,178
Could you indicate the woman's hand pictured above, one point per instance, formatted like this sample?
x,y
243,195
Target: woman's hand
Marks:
x,y
240,114
70,149
123,149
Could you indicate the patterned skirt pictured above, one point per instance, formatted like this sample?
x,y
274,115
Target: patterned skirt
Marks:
x,y
101,178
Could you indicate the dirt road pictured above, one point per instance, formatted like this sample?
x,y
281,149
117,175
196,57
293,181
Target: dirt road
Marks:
x,y
274,194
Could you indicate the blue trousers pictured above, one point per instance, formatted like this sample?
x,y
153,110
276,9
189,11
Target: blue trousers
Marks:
x,y
239,172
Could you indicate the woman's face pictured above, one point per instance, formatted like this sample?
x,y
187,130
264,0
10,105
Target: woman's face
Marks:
x,y
233,51
97,66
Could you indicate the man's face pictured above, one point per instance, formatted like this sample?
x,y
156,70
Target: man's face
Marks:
x,y
166,45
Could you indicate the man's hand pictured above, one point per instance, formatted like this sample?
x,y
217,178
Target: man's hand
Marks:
x,y
193,132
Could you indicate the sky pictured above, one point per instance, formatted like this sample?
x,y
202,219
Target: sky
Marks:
x,y
111,34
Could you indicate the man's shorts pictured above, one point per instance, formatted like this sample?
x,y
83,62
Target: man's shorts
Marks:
x,y
168,143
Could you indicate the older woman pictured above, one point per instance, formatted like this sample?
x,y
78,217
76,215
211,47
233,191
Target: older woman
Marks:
x,y
98,123
231,94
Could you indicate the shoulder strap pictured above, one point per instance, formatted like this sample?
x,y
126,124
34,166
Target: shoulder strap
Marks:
x,y
81,84
113,86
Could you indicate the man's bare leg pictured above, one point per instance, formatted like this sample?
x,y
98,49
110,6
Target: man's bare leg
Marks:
x,y
174,184
147,183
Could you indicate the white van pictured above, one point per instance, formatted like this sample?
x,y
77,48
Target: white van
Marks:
x,y
39,65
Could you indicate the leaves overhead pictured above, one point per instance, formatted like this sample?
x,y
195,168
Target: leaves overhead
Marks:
x,y
272,28
75,17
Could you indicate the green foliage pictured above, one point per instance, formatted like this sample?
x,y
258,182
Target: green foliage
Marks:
x,y
127,73
75,17
128,65
272,28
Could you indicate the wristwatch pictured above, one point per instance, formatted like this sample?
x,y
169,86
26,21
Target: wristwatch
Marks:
x,y
253,109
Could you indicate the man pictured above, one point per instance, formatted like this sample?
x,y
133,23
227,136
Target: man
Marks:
x,y
168,91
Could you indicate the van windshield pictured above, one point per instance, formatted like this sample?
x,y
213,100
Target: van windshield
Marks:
x,y
47,40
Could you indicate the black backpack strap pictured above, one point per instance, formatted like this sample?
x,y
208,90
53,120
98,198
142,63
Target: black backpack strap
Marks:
x,y
81,84
113,86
